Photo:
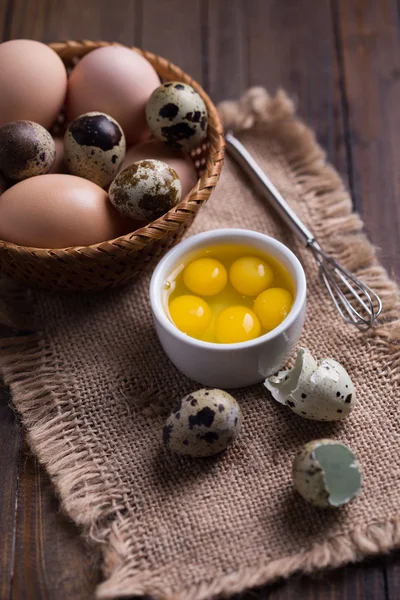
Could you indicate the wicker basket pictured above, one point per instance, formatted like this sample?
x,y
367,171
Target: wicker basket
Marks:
x,y
118,261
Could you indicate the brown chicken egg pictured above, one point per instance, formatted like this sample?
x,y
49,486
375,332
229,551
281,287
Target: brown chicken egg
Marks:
x,y
33,82
94,147
58,211
178,160
117,81
145,190
59,164
26,149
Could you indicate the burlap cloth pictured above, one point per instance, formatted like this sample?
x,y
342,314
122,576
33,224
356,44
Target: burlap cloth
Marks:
x,y
93,387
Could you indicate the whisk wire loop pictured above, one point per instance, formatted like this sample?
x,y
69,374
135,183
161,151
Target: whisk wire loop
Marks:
x,y
345,289
354,300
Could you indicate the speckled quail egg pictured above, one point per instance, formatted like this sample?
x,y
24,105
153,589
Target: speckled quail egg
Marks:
x,y
145,190
203,423
94,147
26,149
320,391
326,473
177,115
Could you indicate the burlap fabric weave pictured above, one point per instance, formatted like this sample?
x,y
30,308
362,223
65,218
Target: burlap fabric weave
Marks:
x,y
94,387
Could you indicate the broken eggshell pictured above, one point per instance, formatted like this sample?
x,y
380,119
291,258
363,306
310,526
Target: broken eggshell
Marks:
x,y
326,473
320,391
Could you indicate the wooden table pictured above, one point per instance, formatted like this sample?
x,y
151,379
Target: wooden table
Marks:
x,y
341,60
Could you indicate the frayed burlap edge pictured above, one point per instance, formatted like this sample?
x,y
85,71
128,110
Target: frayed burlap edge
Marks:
x,y
25,363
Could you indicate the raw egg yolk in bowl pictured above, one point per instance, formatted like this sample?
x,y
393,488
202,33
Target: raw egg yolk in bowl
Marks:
x,y
227,294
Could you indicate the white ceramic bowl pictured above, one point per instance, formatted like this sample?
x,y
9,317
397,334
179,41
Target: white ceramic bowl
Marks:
x,y
229,365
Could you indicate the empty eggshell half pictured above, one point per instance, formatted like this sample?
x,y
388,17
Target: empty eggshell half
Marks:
x,y
326,473
320,391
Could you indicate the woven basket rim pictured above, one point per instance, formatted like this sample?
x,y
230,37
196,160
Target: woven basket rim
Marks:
x,y
156,229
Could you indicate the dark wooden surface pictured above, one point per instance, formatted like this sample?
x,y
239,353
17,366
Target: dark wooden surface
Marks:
x,y
341,60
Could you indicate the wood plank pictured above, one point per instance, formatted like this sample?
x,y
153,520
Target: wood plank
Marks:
x,y
177,30
369,36
5,6
226,49
10,439
364,581
63,20
291,45
369,33
51,558
295,47
392,575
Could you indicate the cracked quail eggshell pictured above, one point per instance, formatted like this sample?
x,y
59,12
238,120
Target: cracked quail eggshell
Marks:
x,y
326,473
177,115
94,147
26,150
282,384
145,190
203,423
328,395
317,391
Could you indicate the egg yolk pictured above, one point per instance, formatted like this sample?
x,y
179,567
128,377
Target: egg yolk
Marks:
x,y
272,306
236,324
205,276
190,314
250,275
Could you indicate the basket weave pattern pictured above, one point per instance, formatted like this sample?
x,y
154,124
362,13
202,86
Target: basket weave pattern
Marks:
x,y
118,261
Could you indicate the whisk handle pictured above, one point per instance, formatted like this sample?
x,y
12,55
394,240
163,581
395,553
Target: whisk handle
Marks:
x,y
264,185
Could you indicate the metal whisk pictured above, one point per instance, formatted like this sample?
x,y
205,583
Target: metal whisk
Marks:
x,y
356,303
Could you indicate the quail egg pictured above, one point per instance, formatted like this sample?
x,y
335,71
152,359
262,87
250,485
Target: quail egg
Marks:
x,y
326,473
26,149
203,423
177,115
320,391
145,190
177,159
94,147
